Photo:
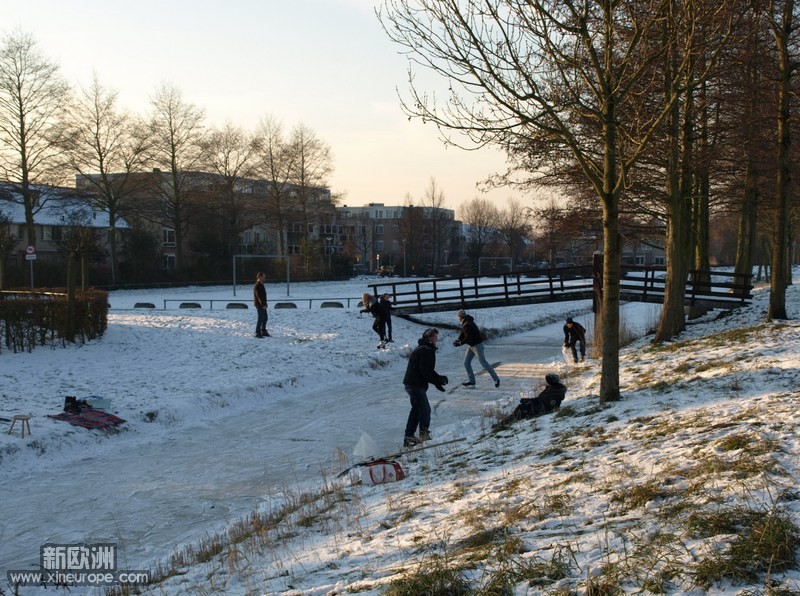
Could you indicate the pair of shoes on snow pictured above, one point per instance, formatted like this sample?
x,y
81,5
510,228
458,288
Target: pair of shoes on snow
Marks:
x,y
497,383
411,441
424,435
468,383
382,345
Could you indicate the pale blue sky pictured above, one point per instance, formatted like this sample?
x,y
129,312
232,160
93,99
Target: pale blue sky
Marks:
x,y
324,63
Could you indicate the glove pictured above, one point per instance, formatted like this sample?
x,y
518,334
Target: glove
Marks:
x,y
443,380
456,343
363,311
439,387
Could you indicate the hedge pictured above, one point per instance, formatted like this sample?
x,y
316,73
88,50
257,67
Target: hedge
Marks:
x,y
31,318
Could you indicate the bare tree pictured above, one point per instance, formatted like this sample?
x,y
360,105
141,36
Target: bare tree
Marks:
x,y
411,229
433,200
107,146
782,18
7,243
513,226
178,132
554,222
276,164
231,153
313,164
481,218
554,83
33,97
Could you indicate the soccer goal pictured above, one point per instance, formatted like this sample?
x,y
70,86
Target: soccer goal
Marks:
x,y
288,263
494,260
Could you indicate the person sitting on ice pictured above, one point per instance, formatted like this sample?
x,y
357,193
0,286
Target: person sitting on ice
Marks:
x,y
549,400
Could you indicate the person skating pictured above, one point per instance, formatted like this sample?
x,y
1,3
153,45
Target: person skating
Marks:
x,y
421,371
575,333
372,306
260,302
386,309
472,337
549,400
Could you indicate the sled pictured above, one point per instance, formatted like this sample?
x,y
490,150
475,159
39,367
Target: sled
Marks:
x,y
388,458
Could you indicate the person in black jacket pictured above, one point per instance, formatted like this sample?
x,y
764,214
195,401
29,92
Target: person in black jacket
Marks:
x,y
386,310
372,305
575,333
421,371
547,401
260,302
471,335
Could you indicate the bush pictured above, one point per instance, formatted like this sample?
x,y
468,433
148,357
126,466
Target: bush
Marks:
x,y
29,318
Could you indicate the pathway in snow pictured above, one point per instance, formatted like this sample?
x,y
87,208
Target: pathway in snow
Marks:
x,y
187,484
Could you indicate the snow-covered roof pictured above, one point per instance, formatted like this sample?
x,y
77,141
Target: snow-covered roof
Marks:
x,y
57,206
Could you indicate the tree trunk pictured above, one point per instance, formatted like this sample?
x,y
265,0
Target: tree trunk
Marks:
x,y
612,258
778,281
748,217
748,220
72,266
672,320
609,307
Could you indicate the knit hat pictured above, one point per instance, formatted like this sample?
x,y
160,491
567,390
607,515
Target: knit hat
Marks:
x,y
430,332
552,378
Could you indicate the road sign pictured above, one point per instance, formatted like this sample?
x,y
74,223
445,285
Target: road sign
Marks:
x,y
30,257
30,249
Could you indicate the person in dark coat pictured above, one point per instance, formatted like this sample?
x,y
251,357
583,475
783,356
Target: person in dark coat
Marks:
x,y
260,302
386,309
471,335
421,371
575,333
372,305
549,400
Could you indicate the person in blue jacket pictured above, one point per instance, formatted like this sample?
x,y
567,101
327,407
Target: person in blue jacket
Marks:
x,y
472,336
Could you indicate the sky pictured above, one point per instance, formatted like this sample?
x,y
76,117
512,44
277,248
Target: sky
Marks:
x,y
221,425
326,64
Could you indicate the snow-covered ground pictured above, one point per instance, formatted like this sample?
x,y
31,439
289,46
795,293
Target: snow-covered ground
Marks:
x,y
221,424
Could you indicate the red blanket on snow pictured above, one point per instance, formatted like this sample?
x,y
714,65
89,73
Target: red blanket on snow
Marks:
x,y
90,418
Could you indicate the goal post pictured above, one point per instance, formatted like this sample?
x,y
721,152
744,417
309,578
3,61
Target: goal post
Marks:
x,y
482,259
288,263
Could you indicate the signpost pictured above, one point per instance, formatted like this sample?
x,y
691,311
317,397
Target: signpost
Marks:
x,y
30,256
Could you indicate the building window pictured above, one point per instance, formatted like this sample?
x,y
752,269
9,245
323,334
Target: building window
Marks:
x,y
379,230
638,260
168,239
52,233
168,262
379,245
659,261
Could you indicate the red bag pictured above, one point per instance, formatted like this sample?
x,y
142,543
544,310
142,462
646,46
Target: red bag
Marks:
x,y
381,471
